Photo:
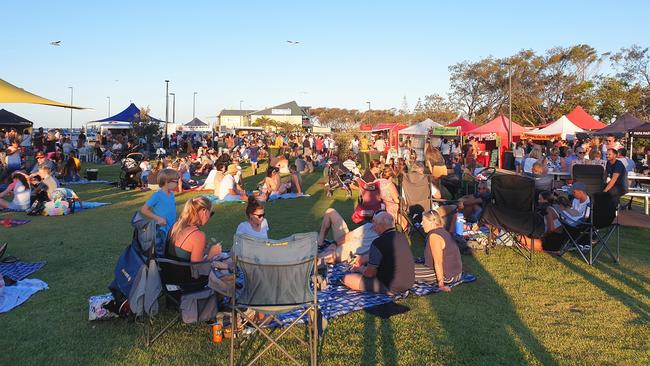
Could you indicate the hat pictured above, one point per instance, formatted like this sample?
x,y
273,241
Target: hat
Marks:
x,y
40,155
232,169
579,186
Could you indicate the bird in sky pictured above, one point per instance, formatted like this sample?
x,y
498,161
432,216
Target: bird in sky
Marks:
x,y
56,43
293,42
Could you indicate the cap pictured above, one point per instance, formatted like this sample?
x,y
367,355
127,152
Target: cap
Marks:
x,y
232,169
579,186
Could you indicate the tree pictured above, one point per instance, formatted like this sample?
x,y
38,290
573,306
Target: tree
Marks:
x,y
615,97
404,109
143,126
435,107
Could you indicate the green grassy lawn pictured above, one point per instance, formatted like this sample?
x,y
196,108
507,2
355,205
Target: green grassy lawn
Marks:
x,y
556,311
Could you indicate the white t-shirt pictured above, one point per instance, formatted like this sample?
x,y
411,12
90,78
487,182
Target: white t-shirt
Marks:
x,y
227,183
519,152
380,145
445,149
246,228
579,211
528,165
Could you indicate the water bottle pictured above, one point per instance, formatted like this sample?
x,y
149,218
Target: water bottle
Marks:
x,y
459,228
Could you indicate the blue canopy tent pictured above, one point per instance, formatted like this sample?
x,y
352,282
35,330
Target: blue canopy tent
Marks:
x,y
130,114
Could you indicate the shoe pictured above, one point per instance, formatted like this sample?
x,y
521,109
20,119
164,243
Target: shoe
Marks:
x,y
584,248
3,249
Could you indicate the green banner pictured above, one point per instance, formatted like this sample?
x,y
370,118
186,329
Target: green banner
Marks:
x,y
444,131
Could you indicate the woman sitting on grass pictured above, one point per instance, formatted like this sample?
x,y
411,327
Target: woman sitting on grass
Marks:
x,y
21,192
187,241
441,252
272,186
256,225
295,181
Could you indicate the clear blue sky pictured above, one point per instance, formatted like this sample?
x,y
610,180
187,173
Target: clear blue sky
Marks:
x,y
350,52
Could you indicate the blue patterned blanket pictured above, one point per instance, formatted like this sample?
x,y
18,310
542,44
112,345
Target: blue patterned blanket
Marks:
x,y
339,300
19,270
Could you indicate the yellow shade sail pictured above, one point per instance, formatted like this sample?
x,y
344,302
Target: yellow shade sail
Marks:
x,y
10,93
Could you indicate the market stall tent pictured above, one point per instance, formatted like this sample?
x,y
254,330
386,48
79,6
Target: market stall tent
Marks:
x,y
621,125
558,129
120,121
641,131
391,131
584,120
196,125
10,120
465,125
495,135
418,134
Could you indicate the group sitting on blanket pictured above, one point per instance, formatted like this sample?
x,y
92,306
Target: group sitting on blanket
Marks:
x,y
33,190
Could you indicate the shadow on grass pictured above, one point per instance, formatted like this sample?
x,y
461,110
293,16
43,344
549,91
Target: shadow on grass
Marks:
x,y
501,335
637,307
388,347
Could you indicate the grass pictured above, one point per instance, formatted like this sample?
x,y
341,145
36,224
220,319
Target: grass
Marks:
x,y
556,311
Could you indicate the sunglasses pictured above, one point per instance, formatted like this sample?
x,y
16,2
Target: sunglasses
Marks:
x,y
581,152
259,216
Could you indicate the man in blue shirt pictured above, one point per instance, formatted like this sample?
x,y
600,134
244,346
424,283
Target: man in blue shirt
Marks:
x,y
617,174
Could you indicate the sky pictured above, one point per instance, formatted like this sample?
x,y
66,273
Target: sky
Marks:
x,y
349,52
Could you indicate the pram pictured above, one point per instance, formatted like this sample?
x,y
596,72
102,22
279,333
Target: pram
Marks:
x,y
130,171
339,176
369,201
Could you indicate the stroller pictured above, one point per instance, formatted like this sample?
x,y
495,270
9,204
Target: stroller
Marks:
x,y
339,176
130,171
369,201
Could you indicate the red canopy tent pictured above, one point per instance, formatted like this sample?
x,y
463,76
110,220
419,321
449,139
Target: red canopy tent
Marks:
x,y
389,130
465,125
497,130
584,120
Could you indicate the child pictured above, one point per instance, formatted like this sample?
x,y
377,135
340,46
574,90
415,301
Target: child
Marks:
x,y
145,166
161,206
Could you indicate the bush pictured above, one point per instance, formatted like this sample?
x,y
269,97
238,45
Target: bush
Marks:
x,y
343,144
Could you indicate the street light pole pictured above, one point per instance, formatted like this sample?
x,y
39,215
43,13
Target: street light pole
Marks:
x,y
71,102
109,106
510,107
173,107
166,105
194,105
368,103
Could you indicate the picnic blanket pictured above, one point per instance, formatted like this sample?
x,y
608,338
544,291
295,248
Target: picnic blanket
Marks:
x,y
20,292
286,196
339,300
9,222
86,181
19,270
87,205
215,200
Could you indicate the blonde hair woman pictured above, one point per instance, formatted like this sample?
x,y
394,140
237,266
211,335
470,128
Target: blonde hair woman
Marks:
x,y
187,241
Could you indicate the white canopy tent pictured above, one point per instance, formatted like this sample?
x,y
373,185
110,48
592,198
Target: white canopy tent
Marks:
x,y
420,129
418,134
562,128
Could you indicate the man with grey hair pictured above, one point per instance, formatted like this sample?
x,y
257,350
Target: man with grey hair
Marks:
x,y
388,267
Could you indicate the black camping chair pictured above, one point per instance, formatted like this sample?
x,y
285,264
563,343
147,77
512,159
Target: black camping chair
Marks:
x,y
415,200
593,176
513,211
591,235
178,278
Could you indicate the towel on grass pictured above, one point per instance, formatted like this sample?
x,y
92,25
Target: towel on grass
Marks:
x,y
19,270
215,200
286,196
17,294
9,222
89,205
86,181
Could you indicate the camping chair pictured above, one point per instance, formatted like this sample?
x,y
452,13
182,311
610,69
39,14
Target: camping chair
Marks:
x,y
471,180
415,200
593,176
178,279
512,210
279,277
593,233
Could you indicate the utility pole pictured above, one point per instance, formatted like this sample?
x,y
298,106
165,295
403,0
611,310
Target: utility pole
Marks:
x,y
166,106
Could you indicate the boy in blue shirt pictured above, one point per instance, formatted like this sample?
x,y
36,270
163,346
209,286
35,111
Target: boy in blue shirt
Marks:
x,y
161,206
